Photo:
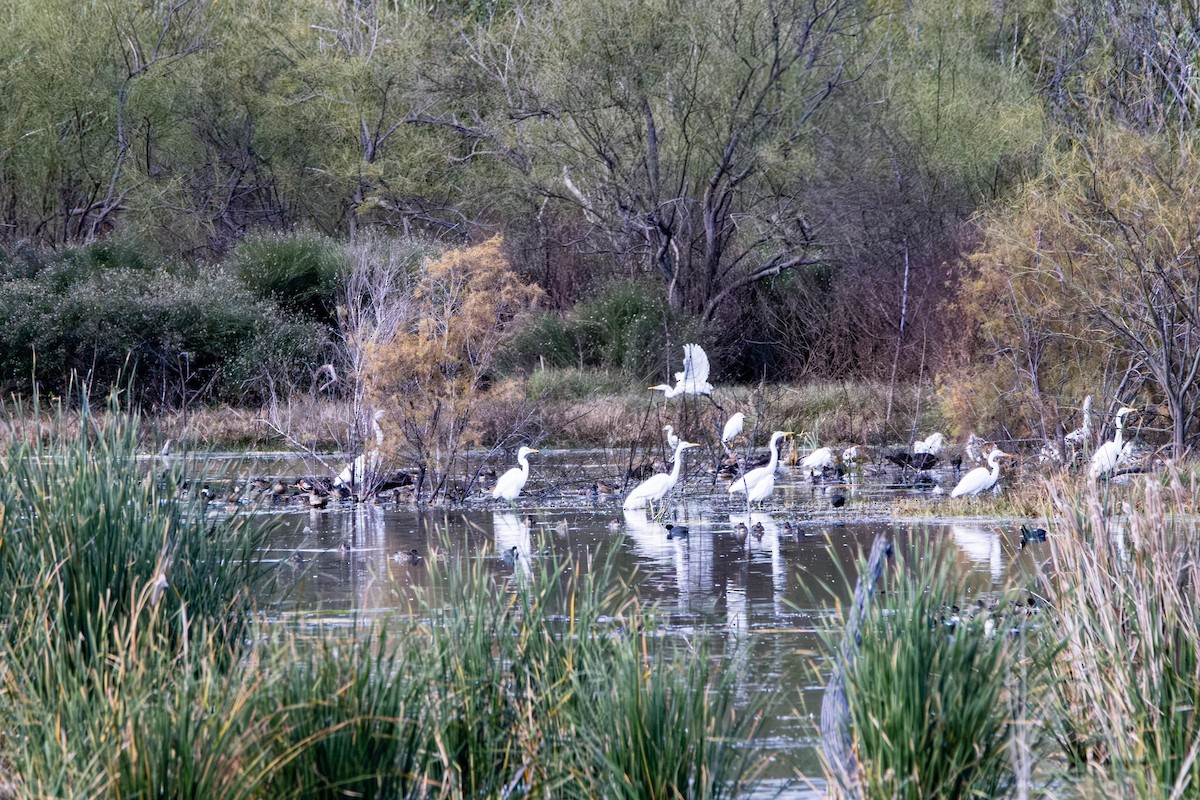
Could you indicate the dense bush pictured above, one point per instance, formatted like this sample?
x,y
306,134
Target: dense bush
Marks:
x,y
298,271
625,326
186,333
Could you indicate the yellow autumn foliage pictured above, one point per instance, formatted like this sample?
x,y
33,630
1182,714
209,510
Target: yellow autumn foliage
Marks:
x,y
1087,283
431,375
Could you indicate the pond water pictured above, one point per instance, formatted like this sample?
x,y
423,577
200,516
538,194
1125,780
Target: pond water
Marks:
x,y
764,599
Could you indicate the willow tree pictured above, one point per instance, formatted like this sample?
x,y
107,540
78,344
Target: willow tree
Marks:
x,y
675,130
1098,263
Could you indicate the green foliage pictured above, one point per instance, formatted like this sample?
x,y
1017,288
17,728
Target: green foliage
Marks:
x,y
125,610
185,333
927,701
84,513
298,271
624,328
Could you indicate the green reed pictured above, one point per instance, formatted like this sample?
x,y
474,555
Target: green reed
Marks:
x,y
927,689
132,664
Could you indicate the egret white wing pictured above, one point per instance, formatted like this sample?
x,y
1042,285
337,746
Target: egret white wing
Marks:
x,y
695,364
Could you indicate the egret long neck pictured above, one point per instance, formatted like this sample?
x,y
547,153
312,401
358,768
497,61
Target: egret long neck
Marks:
x,y
523,460
774,462
678,461
1120,428
993,459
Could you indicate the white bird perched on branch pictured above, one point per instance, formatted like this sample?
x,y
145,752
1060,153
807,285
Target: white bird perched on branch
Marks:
x,y
749,482
510,484
1110,454
981,478
693,379
367,463
656,486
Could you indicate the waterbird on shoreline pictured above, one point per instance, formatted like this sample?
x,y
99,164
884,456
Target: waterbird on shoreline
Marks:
x,y
367,462
672,439
1110,454
981,478
740,532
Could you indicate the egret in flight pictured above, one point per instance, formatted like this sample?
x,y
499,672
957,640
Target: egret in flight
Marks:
x,y
981,479
759,483
510,484
1110,454
656,486
693,379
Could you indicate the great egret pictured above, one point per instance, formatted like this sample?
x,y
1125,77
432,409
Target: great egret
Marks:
x,y
693,379
818,459
1110,454
733,428
980,478
751,479
1083,433
672,439
510,484
367,463
931,444
656,486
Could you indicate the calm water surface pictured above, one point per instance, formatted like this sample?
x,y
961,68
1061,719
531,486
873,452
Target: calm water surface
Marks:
x,y
764,600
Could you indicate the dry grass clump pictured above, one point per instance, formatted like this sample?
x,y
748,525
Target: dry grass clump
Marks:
x,y
1125,590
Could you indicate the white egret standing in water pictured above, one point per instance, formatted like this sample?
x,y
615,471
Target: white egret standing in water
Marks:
x,y
510,484
656,486
672,439
747,482
367,462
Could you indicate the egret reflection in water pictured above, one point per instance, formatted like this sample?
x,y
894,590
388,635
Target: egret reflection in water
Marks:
x,y
981,547
509,531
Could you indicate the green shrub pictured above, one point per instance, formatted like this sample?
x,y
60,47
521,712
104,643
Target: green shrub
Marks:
x,y
624,327
186,334
299,271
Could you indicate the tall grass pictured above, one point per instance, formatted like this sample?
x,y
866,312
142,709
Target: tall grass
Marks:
x,y
88,530
132,664
126,613
926,691
1126,593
